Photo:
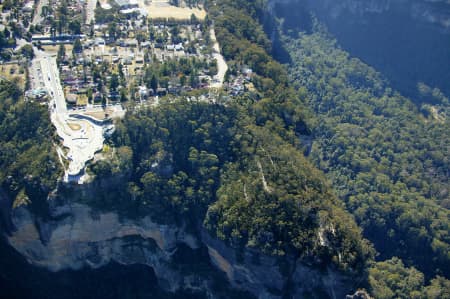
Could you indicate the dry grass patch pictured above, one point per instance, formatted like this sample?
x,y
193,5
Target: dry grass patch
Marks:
x,y
74,126
55,48
13,72
163,10
100,114
82,100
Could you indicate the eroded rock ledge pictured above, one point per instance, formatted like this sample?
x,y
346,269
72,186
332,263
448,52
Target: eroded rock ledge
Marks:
x,y
76,236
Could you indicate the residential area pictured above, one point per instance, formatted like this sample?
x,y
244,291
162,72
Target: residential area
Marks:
x,y
90,61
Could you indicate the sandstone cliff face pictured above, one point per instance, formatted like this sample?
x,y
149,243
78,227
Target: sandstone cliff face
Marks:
x,y
407,41
75,236
269,277
435,12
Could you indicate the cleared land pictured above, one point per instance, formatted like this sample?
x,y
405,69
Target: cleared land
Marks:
x,y
97,114
102,113
82,100
12,71
163,9
55,48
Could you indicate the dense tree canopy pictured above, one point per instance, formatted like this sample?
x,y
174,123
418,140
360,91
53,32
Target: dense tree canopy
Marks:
x,y
275,200
173,153
391,279
29,168
237,167
387,160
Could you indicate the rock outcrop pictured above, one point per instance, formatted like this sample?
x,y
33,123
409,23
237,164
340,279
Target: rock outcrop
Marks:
x,y
269,277
75,236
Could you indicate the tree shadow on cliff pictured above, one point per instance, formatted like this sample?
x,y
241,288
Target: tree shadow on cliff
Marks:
x,y
18,279
288,19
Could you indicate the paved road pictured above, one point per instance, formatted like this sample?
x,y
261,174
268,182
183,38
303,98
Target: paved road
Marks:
x,y
222,66
20,42
50,74
90,10
37,19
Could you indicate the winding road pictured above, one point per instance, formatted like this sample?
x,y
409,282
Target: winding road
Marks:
x,y
222,66
82,137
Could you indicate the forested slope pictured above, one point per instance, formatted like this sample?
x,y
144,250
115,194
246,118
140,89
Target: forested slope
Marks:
x,y
407,41
194,161
235,166
29,168
274,200
388,160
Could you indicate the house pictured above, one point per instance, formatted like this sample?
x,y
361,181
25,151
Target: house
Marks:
x,y
143,92
114,95
127,61
248,73
127,4
99,41
179,47
105,5
146,44
80,59
71,99
100,27
36,94
187,88
28,7
88,43
57,39
97,97
174,89
131,42
161,91
139,59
